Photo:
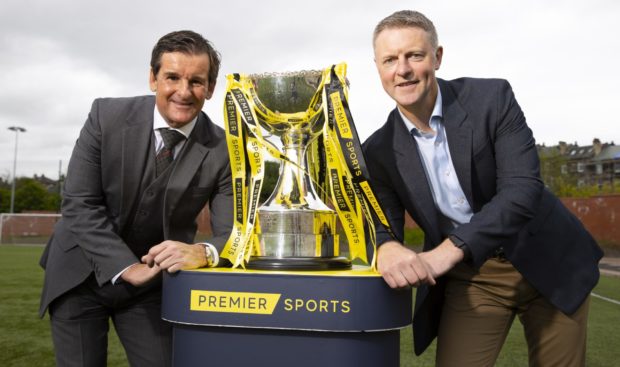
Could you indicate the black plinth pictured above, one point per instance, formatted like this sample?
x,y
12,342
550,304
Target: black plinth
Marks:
x,y
299,263
226,317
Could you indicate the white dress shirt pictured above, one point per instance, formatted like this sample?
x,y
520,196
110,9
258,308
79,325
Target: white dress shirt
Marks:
x,y
159,123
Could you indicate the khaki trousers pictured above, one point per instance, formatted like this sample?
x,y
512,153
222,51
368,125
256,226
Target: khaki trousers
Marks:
x,y
479,309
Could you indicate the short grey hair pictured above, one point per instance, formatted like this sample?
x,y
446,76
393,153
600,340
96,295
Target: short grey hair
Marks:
x,y
407,19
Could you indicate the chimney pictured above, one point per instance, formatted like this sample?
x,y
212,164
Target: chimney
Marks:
x,y
596,144
563,147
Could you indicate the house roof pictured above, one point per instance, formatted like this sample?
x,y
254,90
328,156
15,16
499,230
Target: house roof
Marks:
x,y
609,152
580,152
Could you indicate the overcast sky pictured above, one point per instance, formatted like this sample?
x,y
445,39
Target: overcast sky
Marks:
x,y
561,57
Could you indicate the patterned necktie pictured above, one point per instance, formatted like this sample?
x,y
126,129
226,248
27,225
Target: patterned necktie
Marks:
x,y
166,154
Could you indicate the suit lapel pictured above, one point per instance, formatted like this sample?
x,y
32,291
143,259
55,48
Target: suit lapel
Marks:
x,y
459,135
136,139
410,166
187,163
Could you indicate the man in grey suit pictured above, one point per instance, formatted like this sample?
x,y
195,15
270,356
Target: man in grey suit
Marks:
x,y
459,157
141,171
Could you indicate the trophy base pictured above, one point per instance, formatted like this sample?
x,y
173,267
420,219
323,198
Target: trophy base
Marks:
x,y
299,263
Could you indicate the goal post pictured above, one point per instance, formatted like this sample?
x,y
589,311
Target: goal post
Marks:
x,y
26,228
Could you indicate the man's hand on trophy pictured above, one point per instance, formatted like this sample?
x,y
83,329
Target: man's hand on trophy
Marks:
x,y
173,256
401,267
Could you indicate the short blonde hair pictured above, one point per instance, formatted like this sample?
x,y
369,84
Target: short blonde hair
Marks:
x,y
407,19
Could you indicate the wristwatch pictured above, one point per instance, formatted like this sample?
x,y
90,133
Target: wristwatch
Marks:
x,y
208,255
459,243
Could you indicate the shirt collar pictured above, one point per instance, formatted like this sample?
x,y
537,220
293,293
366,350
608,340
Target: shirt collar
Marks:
x,y
436,115
159,122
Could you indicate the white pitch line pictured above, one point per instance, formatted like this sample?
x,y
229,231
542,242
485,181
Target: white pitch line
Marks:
x,y
605,298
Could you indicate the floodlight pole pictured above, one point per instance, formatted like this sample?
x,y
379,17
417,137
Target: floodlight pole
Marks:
x,y
17,130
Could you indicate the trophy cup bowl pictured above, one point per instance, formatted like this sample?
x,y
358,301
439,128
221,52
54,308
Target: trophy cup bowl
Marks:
x,y
297,230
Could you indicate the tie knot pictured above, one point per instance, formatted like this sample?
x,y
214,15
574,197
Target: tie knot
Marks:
x,y
171,137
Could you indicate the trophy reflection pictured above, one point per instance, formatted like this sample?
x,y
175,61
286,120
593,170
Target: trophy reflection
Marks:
x,y
297,230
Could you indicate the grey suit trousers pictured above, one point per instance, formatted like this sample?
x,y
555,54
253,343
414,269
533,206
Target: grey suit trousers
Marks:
x,y
135,313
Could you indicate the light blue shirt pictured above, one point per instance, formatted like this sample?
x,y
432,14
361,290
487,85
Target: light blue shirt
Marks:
x,y
440,174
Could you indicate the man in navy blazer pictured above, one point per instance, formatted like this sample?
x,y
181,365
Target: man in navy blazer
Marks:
x,y
459,157
141,171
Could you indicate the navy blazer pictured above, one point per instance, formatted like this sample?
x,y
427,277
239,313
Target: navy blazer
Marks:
x,y
495,158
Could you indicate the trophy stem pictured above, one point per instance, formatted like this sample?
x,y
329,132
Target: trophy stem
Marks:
x,y
294,189
297,230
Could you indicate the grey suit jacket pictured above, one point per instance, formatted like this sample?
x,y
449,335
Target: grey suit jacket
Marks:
x,y
102,187
495,159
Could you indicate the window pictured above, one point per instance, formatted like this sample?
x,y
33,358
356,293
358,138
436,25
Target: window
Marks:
x,y
581,167
599,168
564,169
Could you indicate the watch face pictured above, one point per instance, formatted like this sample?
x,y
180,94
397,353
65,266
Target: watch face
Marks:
x,y
208,255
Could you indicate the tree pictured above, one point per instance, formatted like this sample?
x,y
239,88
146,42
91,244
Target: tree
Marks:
x,y
5,200
31,195
562,181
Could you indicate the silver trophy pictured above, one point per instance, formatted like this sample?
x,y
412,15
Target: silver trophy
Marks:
x,y
297,230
